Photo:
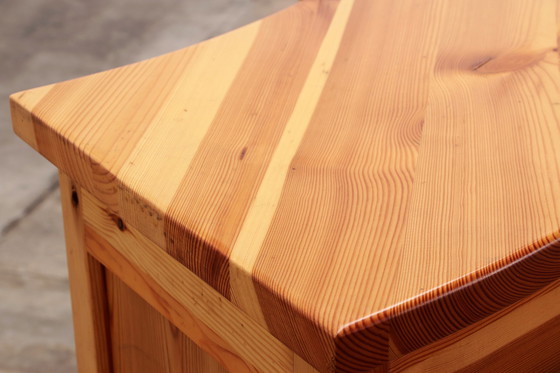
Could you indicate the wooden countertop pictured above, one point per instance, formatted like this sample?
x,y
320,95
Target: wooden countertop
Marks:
x,y
361,177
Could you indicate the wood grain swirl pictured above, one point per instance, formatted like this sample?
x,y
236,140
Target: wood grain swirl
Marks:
x,y
361,179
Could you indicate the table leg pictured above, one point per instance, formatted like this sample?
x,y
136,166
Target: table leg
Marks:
x,y
87,287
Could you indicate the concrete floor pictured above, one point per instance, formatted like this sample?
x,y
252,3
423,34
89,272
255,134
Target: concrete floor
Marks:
x,y
41,42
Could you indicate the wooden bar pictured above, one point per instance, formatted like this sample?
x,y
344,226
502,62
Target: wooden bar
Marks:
x,y
87,287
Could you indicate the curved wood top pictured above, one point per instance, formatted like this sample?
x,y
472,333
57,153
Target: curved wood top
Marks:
x,y
360,177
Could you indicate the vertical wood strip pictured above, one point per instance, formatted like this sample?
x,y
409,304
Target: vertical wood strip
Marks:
x,y
87,287
336,232
262,208
171,141
209,206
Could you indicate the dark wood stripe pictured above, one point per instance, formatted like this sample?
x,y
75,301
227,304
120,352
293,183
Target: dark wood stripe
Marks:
x,y
209,206
353,170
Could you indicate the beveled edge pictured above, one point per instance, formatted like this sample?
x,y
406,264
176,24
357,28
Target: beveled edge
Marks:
x,y
449,308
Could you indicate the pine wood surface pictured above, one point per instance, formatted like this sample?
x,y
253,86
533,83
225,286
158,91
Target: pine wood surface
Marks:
x,y
361,178
87,287
142,340
221,329
524,336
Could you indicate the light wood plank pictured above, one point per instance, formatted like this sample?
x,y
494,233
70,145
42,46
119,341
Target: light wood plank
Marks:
x,y
142,340
87,286
255,225
178,129
21,106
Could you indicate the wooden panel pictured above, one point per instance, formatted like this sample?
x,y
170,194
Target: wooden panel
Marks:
x,y
359,178
142,340
87,287
239,343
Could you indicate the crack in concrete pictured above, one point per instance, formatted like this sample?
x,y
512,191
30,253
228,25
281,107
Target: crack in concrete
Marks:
x,y
32,206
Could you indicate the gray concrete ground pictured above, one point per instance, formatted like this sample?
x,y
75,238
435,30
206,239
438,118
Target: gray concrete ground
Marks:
x,y
41,42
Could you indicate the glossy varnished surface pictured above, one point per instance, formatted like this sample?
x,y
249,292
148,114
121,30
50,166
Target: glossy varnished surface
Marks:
x,y
362,178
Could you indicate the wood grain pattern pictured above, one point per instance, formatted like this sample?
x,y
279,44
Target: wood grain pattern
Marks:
x,y
142,340
529,324
87,287
524,337
361,178
238,342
